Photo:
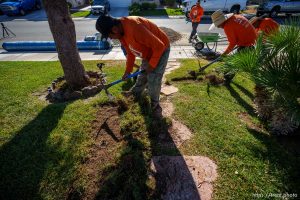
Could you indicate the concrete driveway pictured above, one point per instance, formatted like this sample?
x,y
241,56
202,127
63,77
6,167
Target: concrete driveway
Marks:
x,y
35,15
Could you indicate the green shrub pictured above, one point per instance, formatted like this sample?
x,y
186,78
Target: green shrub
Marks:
x,y
145,6
135,9
153,6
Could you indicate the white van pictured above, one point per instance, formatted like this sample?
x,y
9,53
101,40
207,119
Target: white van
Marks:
x,y
233,6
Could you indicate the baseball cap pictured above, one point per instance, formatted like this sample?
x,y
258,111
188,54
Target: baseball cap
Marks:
x,y
104,25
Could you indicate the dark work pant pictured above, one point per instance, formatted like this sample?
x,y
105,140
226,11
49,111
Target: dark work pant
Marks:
x,y
194,26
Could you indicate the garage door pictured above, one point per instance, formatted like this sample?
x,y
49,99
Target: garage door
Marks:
x,y
120,3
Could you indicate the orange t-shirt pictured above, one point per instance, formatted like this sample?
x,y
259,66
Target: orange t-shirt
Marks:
x,y
143,39
196,13
267,26
239,32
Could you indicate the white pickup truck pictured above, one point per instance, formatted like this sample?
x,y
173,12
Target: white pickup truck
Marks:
x,y
233,6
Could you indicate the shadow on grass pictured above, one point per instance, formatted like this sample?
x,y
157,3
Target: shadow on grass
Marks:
x,y
131,177
280,160
241,101
24,159
182,186
244,90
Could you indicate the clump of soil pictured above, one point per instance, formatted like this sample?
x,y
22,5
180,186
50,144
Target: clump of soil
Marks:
x,y
214,79
172,35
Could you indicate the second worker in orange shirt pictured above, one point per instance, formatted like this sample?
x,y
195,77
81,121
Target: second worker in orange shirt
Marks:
x,y
267,26
195,15
140,38
240,33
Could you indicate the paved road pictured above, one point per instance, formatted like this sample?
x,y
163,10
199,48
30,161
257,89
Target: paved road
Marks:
x,y
39,30
34,26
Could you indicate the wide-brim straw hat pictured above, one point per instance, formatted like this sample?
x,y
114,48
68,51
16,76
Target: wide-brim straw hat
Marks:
x,y
218,18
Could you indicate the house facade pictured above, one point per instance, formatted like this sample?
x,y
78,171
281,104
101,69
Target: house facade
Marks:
x,y
126,3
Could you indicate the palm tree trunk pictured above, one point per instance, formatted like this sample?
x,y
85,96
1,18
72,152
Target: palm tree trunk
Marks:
x,y
263,102
63,31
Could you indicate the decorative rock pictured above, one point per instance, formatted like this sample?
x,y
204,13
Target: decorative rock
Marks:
x,y
167,108
168,90
85,91
90,91
184,177
179,133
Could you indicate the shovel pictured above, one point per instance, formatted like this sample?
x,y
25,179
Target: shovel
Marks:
x,y
194,74
106,87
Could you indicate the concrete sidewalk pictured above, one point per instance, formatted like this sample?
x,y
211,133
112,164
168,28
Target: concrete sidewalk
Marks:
x,y
177,52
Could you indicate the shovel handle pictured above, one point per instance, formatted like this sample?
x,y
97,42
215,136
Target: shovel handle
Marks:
x,y
129,76
209,64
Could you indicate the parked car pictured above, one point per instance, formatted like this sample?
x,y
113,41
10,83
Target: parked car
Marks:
x,y
233,6
16,7
273,7
100,7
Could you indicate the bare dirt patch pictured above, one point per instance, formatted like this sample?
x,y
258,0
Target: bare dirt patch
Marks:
x,y
184,177
106,136
172,35
244,117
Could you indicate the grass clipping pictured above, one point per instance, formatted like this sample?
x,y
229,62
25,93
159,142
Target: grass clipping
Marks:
x,y
172,35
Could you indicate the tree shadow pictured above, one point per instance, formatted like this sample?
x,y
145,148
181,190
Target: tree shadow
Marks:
x,y
279,159
240,100
24,159
126,180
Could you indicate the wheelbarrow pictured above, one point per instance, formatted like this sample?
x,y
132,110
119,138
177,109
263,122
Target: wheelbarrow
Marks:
x,y
209,39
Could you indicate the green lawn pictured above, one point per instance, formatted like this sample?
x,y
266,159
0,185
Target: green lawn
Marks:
x,y
43,146
80,14
249,160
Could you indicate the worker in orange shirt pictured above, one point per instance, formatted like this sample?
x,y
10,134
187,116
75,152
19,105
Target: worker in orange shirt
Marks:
x,y
195,16
140,38
266,26
237,28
